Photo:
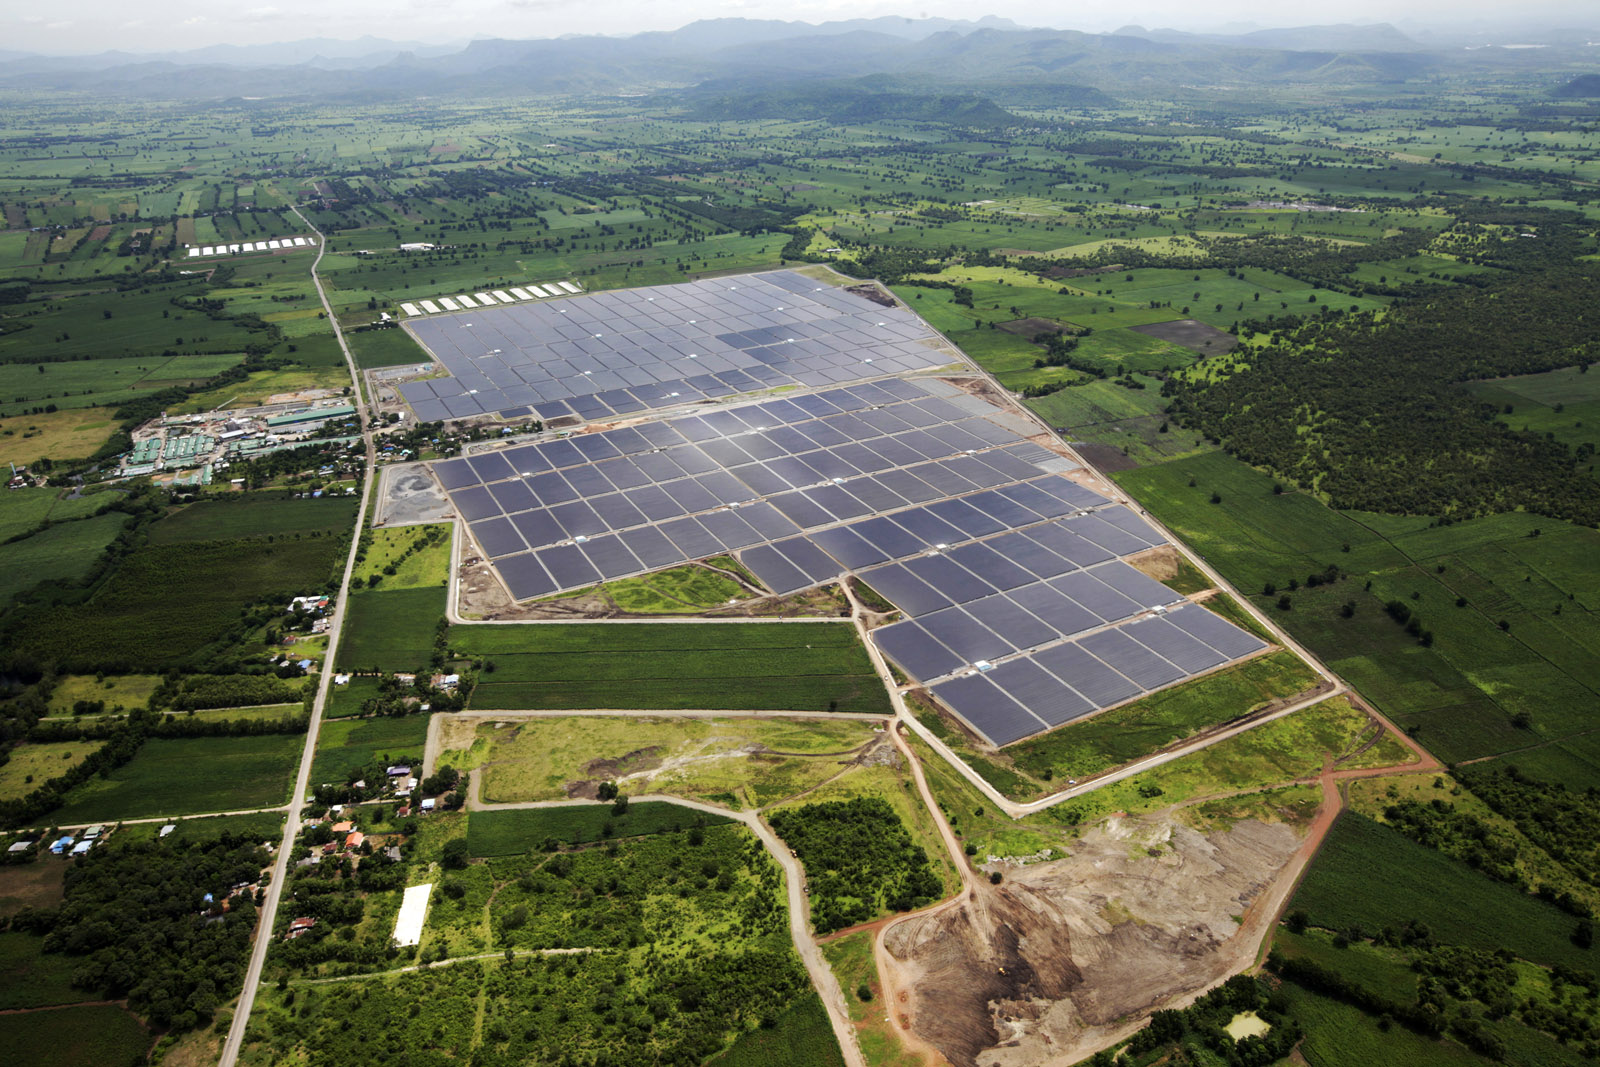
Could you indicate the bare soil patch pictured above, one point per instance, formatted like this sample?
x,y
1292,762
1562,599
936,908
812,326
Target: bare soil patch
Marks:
x,y
31,885
1106,457
873,292
1190,333
1055,962
1159,563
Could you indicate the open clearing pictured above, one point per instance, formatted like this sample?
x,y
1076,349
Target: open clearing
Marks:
x,y
30,766
740,762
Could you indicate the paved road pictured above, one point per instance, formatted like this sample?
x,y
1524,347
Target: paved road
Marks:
x,y
280,869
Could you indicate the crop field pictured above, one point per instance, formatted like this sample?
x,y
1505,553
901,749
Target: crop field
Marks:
x,y
1124,423
1460,905
188,776
737,762
268,514
76,1036
510,833
345,745
735,666
346,700
1462,581
26,510
1564,402
63,553
31,978
138,618
264,826
800,1037
390,629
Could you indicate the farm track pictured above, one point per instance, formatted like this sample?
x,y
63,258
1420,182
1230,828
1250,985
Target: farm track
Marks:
x,y
280,868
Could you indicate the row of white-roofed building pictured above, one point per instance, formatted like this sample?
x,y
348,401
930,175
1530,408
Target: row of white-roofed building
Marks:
x,y
275,244
493,298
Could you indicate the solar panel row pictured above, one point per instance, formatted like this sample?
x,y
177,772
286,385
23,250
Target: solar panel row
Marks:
x,y
616,353
1068,680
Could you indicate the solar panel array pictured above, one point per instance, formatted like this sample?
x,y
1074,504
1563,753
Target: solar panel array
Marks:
x,y
1008,573
634,350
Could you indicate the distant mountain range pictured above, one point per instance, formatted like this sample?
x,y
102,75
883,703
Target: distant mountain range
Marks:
x,y
987,56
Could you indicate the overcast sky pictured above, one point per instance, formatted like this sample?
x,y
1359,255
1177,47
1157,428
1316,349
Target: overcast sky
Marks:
x,y
78,26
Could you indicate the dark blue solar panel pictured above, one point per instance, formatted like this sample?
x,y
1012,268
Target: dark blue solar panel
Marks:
x,y
652,547
992,567
551,488
729,528
817,564
905,590
915,650
1088,675
968,519
695,540
1061,613
525,578
490,467
610,557
772,568
987,709
951,579
1131,658
498,537
513,496
538,528
1214,631
1144,590
475,503
848,547
1011,622
568,566
616,512
1040,691
965,636
1174,645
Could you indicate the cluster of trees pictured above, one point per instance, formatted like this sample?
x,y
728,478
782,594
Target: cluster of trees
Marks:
x,y
1202,1026
191,692
1370,410
1563,822
859,860
1440,825
137,920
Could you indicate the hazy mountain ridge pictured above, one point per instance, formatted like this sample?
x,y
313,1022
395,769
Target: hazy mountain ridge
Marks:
x,y
957,56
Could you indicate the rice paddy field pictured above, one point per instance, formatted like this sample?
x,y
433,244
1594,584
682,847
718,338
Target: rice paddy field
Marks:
x,y
673,666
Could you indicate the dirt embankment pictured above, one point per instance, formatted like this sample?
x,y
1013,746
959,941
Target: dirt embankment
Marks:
x,y
1050,965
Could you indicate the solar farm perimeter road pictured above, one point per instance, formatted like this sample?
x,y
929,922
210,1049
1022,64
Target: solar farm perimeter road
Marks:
x,y
280,868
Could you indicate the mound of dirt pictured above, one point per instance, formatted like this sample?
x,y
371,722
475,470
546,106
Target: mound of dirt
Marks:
x,y
1052,964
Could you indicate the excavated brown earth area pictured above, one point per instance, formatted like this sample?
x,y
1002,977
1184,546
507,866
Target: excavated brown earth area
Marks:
x,y
1050,965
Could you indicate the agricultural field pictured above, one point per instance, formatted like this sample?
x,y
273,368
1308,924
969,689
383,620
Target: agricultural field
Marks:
x,y
1475,687
128,690
391,629
174,604
666,667
188,776
64,553
267,515
348,745
76,1035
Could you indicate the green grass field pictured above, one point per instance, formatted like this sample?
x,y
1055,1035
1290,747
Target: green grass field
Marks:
x,y
390,629
76,1037
60,554
345,745
800,1037
22,510
30,766
1122,734
165,604
511,833
255,515
671,666
187,776
31,978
